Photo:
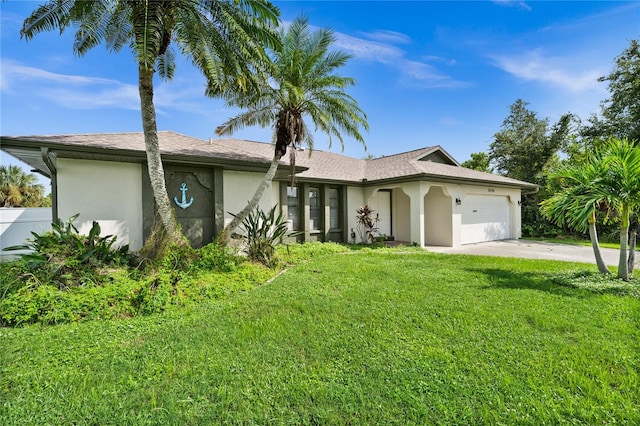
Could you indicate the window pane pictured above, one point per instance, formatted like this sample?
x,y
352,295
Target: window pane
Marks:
x,y
334,208
292,208
314,208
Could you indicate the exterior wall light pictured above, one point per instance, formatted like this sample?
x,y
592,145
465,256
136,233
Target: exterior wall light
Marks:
x,y
458,201
519,202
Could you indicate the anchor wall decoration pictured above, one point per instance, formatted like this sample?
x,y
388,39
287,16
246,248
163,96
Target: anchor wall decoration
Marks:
x,y
183,204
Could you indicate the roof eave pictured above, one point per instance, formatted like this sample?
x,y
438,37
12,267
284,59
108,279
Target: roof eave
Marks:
x,y
448,179
136,156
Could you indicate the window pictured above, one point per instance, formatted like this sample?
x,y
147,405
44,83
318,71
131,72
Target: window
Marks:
x,y
314,209
293,208
334,208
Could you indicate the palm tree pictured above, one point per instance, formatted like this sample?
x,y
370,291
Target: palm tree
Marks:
x,y
303,84
223,38
610,179
576,204
20,189
622,186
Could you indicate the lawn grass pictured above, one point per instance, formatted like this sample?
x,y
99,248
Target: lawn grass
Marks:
x,y
367,337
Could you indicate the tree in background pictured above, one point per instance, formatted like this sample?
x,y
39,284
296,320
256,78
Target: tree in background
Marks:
x,y
479,161
20,189
620,113
303,84
522,150
223,39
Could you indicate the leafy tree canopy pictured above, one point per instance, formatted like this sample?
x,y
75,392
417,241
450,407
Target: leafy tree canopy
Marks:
x,y
523,150
20,189
526,143
620,115
479,161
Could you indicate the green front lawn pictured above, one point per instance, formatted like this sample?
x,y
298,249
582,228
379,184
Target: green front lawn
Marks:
x,y
367,337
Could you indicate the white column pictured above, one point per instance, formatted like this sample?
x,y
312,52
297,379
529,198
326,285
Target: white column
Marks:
x,y
416,192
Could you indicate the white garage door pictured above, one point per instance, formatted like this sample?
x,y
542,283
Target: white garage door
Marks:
x,y
485,218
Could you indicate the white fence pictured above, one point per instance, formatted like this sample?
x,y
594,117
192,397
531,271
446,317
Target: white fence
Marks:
x,y
16,225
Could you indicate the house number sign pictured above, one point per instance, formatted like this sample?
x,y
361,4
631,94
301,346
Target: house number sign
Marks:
x,y
183,203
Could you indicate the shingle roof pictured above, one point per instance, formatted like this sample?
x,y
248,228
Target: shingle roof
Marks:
x,y
321,165
170,143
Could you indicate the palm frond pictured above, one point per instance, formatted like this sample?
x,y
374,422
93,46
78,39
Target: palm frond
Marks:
x,y
49,16
303,85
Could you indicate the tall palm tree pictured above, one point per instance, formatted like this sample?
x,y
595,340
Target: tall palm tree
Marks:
x,y
19,189
576,204
223,38
303,84
622,186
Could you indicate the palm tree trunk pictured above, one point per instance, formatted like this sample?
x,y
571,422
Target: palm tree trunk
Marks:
x,y
623,271
165,212
633,235
593,235
225,235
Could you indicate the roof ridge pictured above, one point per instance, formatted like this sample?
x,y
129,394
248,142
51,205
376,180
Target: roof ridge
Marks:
x,y
403,153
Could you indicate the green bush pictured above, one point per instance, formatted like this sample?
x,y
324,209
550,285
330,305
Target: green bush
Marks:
x,y
215,257
87,291
48,304
64,258
262,233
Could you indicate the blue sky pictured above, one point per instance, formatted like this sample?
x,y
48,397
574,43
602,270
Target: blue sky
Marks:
x,y
427,72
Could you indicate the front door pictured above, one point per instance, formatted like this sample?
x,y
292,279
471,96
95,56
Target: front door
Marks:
x,y
384,213
191,192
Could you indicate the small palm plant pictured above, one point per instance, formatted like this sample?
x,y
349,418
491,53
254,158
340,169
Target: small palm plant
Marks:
x,y
366,224
262,233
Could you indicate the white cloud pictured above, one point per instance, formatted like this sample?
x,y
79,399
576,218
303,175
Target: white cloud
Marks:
x,y
513,3
86,92
71,91
563,72
425,76
446,61
367,49
385,36
412,73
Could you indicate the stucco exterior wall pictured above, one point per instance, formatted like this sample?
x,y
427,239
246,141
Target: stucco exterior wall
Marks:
x,y
105,191
438,218
401,215
239,187
426,212
355,199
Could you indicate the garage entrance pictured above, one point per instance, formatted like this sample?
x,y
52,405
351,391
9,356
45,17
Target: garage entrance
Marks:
x,y
485,218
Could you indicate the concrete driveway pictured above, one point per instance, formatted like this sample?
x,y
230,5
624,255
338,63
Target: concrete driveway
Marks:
x,y
534,250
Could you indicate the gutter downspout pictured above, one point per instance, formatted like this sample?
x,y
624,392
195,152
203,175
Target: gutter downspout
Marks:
x,y
53,172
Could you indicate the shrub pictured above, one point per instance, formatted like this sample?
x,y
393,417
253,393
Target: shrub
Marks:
x,y
366,224
262,232
182,277
64,258
216,257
